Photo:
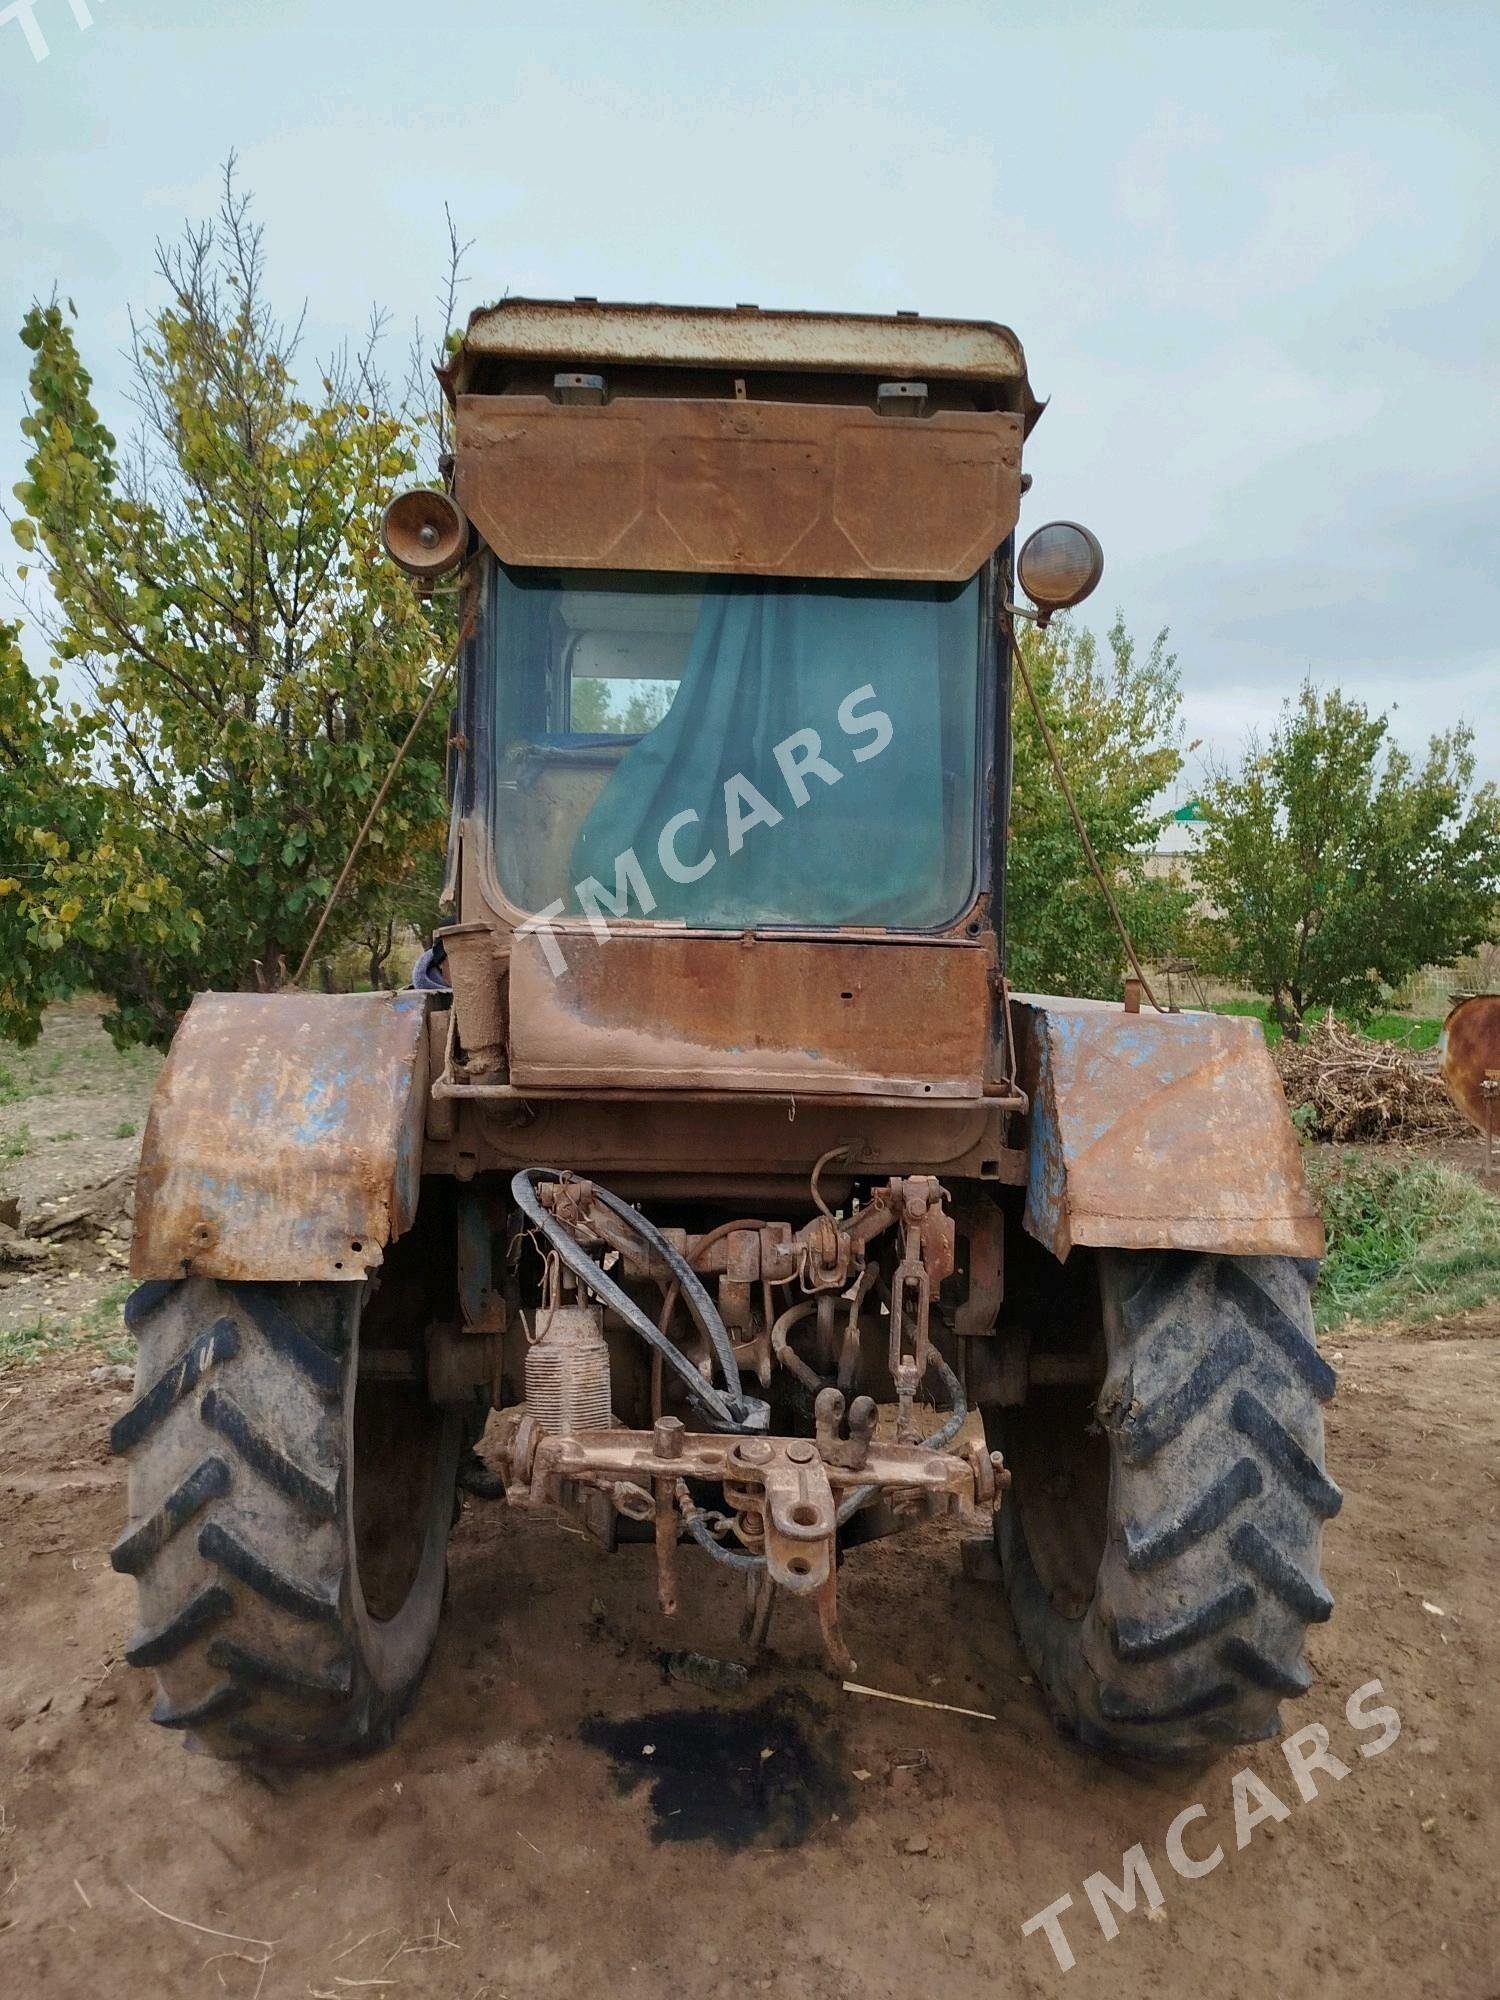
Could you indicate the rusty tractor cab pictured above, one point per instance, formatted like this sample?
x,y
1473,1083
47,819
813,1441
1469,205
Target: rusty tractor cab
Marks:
x,y
731,1195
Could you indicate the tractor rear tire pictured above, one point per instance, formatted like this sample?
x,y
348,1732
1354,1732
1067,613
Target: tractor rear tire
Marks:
x,y
288,1523
1160,1544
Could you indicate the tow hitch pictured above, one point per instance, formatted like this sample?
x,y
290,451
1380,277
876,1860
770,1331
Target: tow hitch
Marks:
x,y
768,1506
785,1498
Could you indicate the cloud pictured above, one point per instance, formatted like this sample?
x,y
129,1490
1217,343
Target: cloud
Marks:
x,y
1148,179
1257,271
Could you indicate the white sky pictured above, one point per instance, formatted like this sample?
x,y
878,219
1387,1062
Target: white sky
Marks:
x,y
1254,269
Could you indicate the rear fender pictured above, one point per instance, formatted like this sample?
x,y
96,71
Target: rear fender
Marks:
x,y
1158,1132
284,1139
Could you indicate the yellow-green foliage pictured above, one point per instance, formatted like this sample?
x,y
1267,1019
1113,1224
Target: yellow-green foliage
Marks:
x,y
251,661
1116,724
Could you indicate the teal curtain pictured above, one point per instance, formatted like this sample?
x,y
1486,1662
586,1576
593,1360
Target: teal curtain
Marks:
x,y
892,842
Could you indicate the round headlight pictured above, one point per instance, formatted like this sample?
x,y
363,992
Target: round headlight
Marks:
x,y
1059,566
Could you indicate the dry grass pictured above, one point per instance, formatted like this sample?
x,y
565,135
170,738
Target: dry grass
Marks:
x,y
1344,1087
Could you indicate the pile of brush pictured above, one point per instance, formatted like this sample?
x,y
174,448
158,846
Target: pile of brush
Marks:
x,y
1354,1089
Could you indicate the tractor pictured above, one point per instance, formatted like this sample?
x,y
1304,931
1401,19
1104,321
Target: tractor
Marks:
x,y
720,1195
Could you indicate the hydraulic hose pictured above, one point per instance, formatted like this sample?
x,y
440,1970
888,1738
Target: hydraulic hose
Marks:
x,y
958,1408
669,1302
698,1528
699,1304
729,1410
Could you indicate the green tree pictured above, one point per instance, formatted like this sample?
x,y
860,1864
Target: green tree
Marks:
x,y
404,921
590,711
597,708
647,705
1116,724
1337,866
251,660
85,897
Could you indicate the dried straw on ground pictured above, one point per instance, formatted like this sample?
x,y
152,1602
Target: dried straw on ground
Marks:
x,y
1363,1090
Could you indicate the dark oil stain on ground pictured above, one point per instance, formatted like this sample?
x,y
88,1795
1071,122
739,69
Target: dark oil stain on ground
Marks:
x,y
711,1779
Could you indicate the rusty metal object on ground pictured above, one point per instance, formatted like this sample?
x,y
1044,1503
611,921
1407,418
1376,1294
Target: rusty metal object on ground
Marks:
x,y
1469,1049
284,1139
979,1559
1158,1131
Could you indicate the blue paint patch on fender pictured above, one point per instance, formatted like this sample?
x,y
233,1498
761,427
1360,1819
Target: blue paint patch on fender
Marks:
x,y
284,1139
1157,1131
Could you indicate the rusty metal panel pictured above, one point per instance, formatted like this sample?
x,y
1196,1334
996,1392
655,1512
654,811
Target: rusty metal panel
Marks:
x,y
676,1145
666,1010
765,489
1158,1131
1469,1050
586,331
284,1138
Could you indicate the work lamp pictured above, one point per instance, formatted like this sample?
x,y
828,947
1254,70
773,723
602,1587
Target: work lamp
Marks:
x,y
1060,565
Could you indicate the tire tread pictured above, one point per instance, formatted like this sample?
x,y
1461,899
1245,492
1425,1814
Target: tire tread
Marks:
x,y
239,1541
141,1545
1211,1405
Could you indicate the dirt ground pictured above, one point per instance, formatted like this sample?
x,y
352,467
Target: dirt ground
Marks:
x,y
72,1109
563,1812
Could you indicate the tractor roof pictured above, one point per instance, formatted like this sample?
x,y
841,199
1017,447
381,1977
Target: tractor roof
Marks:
x,y
588,332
